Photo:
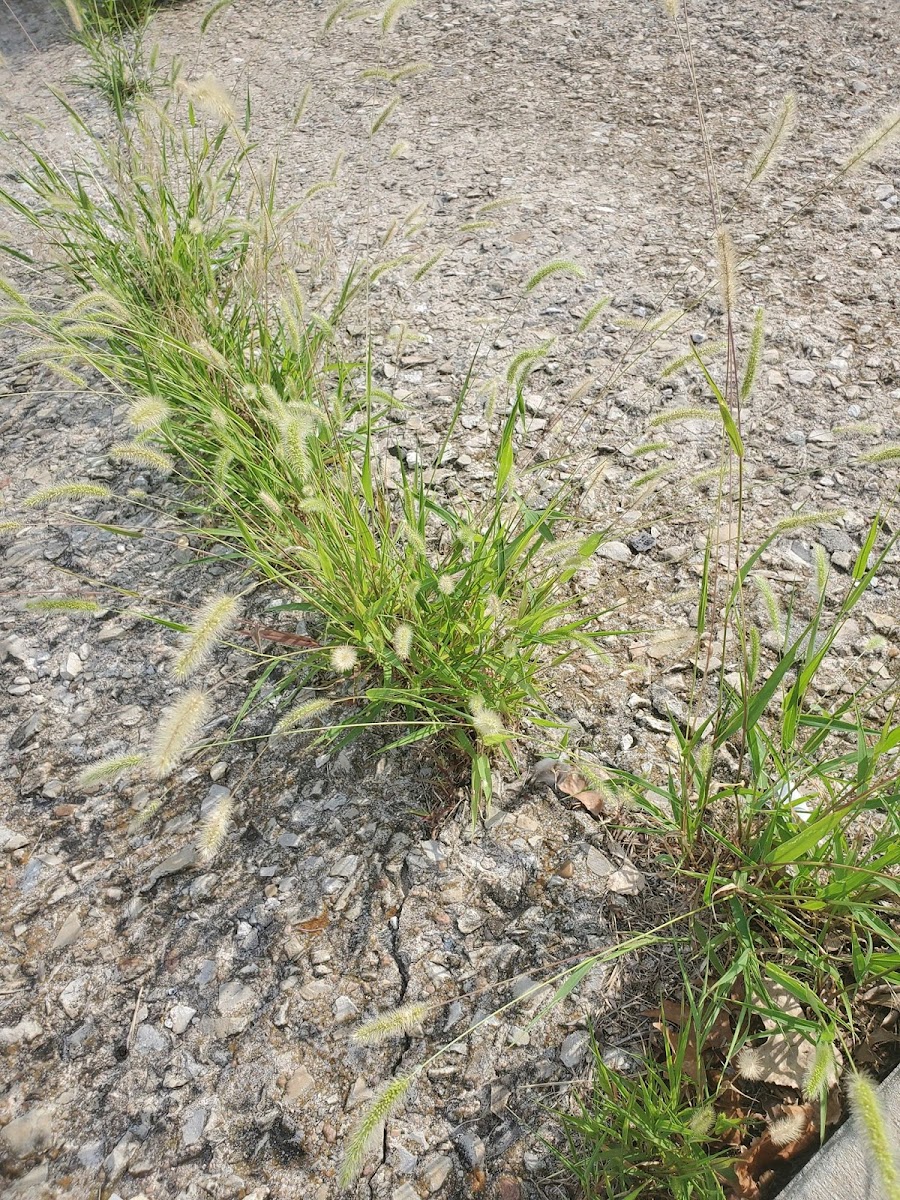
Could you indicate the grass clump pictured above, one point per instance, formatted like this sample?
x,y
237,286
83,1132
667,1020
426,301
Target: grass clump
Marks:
x,y
431,618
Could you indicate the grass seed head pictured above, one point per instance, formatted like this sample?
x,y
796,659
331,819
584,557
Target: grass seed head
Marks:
x,y
214,620
865,1105
215,827
176,732
300,715
750,1064
787,1129
148,412
67,491
823,1071
403,640
391,1024
108,768
344,658
727,264
367,1131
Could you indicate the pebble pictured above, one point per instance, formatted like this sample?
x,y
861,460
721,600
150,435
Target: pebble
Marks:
x,y
641,542
149,1040
180,1016
344,1010
217,770
25,1031
235,997
598,863
435,1172
193,1125
469,1146
72,997
614,551
804,377
346,867
298,1085
470,920
72,667
30,1133
68,933
574,1049
405,1192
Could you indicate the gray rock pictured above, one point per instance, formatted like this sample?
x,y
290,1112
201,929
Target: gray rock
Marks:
x,y
25,1031
68,933
180,1016
90,1155
469,1146
344,1010
183,857
235,997
614,551
598,863
435,1172
32,1132
193,1125
574,1049
804,377
149,1040
346,868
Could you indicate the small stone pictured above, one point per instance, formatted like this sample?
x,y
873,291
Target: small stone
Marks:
x,y
627,880
217,770
405,1192
842,560
821,437
435,1172
71,998
344,1010
69,932
25,1031
116,1162
30,1133
149,1040
469,1146
346,868
599,863
90,1155
235,997
470,920
180,1016
641,542
180,860
804,377
499,1098
193,1125
360,1093
574,1049
614,551
72,667
298,1085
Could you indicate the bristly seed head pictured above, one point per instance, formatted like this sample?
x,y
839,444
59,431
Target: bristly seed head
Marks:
x,y
788,1129
403,640
215,619
486,722
823,1071
865,1105
108,768
299,715
344,658
363,1138
210,96
749,1064
727,268
176,732
446,584
149,412
215,827
67,491
391,1024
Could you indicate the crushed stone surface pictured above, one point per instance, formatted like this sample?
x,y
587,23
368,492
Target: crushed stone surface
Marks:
x,y
175,1028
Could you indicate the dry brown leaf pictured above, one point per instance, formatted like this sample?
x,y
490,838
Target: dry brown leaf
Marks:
x,y
763,1158
784,1058
574,784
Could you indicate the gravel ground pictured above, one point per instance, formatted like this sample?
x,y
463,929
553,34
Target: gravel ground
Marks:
x,y
170,1029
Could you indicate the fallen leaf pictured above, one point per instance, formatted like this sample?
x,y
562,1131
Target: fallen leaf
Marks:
x,y
784,1058
575,785
762,1158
